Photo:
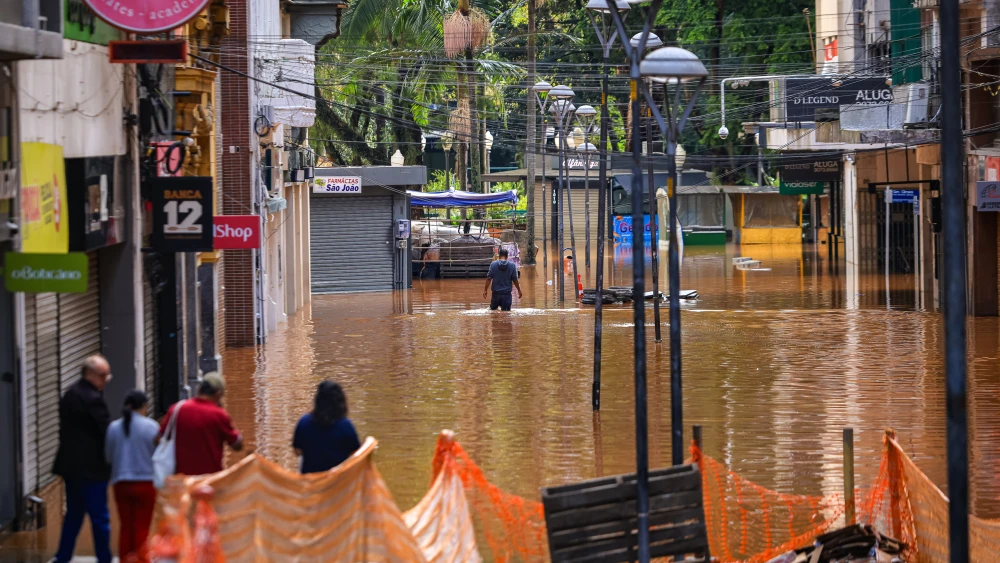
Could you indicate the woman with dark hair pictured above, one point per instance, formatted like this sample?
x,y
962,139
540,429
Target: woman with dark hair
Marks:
x,y
128,447
325,437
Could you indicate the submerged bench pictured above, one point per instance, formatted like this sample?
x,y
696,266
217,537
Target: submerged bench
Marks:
x,y
595,521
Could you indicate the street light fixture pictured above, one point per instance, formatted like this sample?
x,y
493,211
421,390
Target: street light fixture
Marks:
x,y
447,138
562,107
599,12
541,90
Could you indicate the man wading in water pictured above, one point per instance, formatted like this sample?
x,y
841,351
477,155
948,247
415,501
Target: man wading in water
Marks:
x,y
503,276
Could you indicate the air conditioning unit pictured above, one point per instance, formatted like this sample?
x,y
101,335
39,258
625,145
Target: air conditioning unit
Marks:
x,y
917,98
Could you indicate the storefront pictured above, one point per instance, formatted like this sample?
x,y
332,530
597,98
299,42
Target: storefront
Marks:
x,y
353,216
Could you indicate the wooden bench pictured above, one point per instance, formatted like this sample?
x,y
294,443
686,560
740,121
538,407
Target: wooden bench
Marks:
x,y
595,521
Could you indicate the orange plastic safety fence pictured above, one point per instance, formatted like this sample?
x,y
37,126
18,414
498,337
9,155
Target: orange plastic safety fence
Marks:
x,y
514,527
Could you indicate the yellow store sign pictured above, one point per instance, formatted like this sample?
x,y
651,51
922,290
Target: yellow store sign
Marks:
x,y
44,217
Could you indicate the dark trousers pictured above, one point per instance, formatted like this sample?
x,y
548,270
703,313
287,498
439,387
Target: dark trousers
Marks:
x,y
500,301
136,501
90,498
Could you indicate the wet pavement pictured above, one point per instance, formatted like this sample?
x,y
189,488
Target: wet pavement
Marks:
x,y
776,362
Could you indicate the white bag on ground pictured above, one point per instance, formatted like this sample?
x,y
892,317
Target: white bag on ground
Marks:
x,y
165,456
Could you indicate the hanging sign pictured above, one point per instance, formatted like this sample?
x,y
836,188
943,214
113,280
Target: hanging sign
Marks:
x,y
43,273
337,185
801,188
988,196
147,16
803,96
182,214
237,232
44,214
798,167
623,229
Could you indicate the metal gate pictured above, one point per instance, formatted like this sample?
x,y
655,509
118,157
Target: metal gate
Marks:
x,y
901,289
150,339
351,243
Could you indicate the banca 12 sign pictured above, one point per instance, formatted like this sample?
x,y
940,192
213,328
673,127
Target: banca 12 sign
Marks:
x,y
182,214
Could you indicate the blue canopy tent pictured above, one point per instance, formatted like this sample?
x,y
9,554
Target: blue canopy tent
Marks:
x,y
459,198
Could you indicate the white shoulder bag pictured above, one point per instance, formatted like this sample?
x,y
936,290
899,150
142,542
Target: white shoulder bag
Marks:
x,y
165,457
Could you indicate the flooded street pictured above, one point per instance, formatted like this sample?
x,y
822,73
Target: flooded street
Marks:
x,y
776,363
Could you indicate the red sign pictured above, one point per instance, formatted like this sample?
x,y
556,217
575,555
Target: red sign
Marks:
x,y
147,16
236,232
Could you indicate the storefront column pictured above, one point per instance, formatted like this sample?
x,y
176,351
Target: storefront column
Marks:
x,y
208,296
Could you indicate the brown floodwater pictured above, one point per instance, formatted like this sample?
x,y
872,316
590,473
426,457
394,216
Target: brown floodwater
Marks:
x,y
776,362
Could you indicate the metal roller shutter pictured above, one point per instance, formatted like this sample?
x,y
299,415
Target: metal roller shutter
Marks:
x,y
79,327
30,452
46,363
351,243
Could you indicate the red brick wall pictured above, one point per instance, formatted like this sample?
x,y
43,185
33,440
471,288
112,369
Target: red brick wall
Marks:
x,y
220,266
237,180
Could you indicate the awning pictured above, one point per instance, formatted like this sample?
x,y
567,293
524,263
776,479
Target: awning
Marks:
x,y
458,198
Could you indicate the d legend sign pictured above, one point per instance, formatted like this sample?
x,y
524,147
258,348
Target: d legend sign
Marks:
x,y
237,232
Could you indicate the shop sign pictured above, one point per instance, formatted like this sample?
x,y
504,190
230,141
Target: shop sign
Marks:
x,y
182,214
902,196
803,96
236,232
809,168
801,188
44,213
44,273
577,163
147,16
96,212
337,185
988,196
81,24
623,229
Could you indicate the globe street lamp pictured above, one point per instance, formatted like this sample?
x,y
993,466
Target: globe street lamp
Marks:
x,y
541,90
599,11
674,67
585,116
488,146
638,281
447,138
562,108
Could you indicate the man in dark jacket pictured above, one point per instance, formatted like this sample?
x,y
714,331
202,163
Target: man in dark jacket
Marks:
x,y
503,277
83,421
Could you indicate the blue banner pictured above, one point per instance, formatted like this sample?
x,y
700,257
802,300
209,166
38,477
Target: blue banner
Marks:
x,y
623,229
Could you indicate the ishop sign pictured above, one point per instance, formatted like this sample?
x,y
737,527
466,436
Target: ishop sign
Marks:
x,y
147,16
988,196
337,185
43,273
182,214
237,232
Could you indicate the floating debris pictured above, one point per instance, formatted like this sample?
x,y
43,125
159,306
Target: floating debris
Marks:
x,y
621,294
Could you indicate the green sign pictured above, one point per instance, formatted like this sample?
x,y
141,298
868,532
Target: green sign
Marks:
x,y
80,24
801,188
42,273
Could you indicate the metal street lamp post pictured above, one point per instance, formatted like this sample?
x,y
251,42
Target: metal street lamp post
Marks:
x,y
562,108
674,67
599,10
446,140
585,116
541,90
652,42
638,284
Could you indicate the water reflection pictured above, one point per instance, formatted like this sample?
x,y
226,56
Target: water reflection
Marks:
x,y
776,362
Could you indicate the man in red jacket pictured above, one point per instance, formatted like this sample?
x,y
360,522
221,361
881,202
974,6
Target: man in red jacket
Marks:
x,y
203,426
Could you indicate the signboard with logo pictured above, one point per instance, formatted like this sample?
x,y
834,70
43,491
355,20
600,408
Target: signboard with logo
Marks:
x,y
44,214
801,188
623,229
147,16
803,96
80,23
43,273
182,214
236,232
902,196
988,196
96,211
337,185
809,168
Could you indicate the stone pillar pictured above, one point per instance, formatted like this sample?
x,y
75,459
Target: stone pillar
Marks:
x,y
208,299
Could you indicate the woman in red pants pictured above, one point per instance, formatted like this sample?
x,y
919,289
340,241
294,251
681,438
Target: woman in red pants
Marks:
x,y
129,449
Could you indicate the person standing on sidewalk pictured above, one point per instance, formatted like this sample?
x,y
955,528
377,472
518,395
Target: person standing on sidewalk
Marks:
x,y
503,277
83,421
202,428
129,449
